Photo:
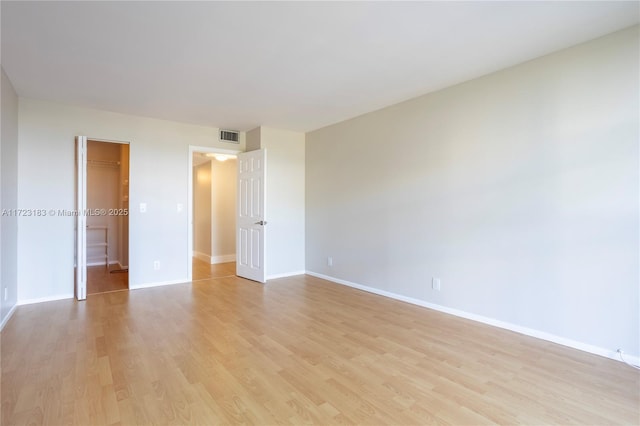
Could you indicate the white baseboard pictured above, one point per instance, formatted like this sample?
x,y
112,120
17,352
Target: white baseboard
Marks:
x,y
157,284
201,256
6,319
608,353
286,274
223,258
111,262
44,299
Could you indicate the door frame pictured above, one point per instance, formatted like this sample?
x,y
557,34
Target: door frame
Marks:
x,y
80,252
192,150
80,227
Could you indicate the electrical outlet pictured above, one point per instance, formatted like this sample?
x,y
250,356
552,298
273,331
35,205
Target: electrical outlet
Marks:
x,y
6,293
156,265
435,283
329,261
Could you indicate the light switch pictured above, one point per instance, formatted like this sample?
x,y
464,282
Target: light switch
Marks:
x,y
179,207
143,207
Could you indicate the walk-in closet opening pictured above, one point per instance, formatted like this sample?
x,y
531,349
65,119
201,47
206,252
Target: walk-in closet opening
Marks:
x,y
107,216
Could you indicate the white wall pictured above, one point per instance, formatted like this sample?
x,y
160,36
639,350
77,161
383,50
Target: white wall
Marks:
x,y
202,211
159,155
519,190
223,210
285,198
8,197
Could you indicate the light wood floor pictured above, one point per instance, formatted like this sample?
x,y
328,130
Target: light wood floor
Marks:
x,y
297,350
100,280
203,270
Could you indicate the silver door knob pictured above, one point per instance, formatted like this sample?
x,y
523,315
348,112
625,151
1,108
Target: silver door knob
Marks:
x,y
262,222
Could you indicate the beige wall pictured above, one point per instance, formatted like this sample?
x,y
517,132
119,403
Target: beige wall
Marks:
x,y
8,198
202,188
253,139
519,190
223,210
285,198
214,210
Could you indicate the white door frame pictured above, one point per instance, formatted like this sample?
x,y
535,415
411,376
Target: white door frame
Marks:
x,y
207,150
80,252
80,226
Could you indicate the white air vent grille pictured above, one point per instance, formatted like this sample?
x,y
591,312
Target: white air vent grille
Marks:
x,y
229,136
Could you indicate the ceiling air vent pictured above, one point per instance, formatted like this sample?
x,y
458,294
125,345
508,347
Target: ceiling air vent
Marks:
x,y
229,136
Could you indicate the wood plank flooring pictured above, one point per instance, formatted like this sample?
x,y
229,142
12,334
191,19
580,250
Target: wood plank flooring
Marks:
x,y
297,350
203,270
101,280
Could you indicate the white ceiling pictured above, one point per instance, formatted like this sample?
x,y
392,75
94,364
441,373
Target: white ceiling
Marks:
x,y
291,65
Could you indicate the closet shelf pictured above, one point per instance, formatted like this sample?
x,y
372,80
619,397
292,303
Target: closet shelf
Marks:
x,y
103,243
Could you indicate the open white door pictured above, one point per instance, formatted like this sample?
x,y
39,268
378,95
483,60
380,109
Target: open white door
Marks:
x,y
81,219
250,220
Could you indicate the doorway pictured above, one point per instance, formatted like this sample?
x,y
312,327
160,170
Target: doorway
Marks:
x,y
107,218
213,189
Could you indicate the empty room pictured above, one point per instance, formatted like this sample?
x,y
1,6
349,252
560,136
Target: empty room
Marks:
x,y
398,213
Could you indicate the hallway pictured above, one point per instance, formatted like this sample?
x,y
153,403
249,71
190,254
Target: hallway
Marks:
x,y
204,271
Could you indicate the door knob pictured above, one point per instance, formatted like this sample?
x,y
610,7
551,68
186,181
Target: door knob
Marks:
x,y
262,222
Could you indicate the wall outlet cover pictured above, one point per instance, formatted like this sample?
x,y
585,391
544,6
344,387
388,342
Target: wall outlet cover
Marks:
x,y
435,283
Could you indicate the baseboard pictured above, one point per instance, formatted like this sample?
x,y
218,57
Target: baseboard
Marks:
x,y
202,256
112,262
6,319
612,354
157,284
286,274
44,299
213,260
223,258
